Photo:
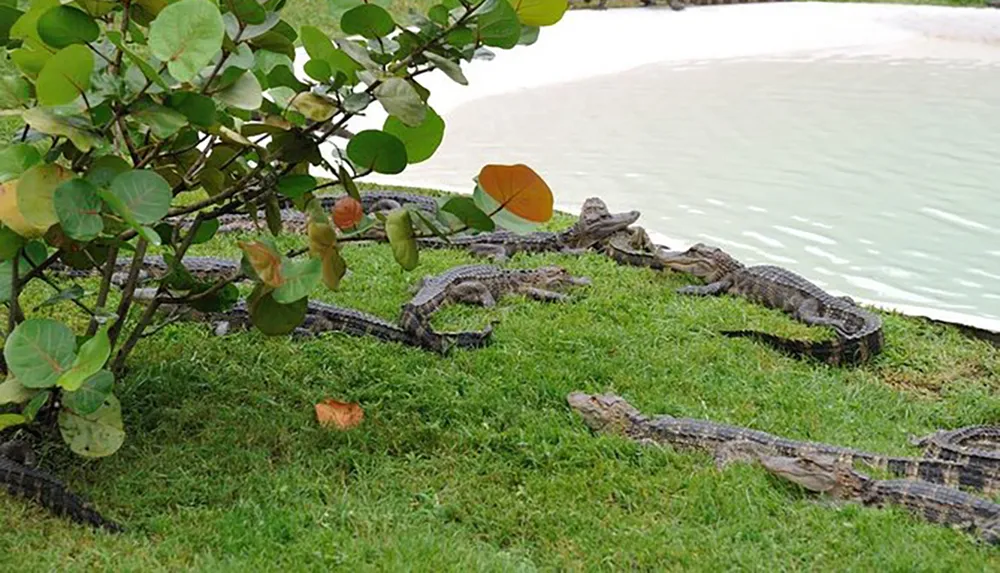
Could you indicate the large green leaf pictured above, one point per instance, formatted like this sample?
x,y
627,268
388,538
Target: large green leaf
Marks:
x,y
466,210
400,99
199,109
186,35
39,351
249,11
161,120
8,15
273,318
89,397
301,279
65,25
10,242
421,141
13,392
91,358
320,47
500,27
450,68
540,12
295,186
368,20
96,435
399,229
65,76
16,159
377,150
245,93
35,192
11,420
15,92
144,193
79,209
46,122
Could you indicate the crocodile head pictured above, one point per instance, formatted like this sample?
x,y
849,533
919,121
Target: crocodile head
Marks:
x,y
704,262
603,412
555,277
596,223
818,473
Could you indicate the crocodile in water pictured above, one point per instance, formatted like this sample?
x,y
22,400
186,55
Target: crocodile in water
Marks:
x,y
323,317
936,503
20,478
859,332
483,285
613,414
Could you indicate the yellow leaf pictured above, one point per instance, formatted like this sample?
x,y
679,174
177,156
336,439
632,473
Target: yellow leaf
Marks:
x,y
11,216
519,190
266,262
339,415
539,12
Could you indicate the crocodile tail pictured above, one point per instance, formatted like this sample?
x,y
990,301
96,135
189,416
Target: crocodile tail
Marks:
x,y
33,484
840,351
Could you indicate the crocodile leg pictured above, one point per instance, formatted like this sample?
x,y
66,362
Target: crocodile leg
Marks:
x,y
542,294
472,292
711,289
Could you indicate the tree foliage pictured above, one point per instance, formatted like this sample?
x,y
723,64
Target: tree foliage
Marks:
x,y
147,121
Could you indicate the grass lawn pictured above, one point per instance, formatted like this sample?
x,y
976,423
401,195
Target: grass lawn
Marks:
x,y
474,461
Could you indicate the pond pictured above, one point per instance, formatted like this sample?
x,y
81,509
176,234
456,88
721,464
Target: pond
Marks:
x,y
865,157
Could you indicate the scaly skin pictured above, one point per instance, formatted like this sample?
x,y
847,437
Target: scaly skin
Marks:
x,y
633,247
595,225
155,267
976,445
859,332
19,478
323,317
678,5
483,285
936,503
612,414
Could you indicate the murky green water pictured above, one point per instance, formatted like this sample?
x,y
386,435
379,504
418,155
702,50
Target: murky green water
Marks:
x,y
872,177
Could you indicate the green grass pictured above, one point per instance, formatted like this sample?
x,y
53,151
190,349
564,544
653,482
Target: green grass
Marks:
x,y
474,462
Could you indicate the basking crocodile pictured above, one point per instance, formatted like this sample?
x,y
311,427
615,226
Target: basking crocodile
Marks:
x,y
612,414
936,503
633,247
978,445
323,317
155,267
678,5
19,477
481,284
859,332
595,224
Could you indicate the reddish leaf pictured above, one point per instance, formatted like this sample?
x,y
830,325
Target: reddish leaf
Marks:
x,y
347,211
266,262
519,190
339,415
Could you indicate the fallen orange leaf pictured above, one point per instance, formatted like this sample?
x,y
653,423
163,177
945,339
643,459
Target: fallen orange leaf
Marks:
x,y
519,190
339,415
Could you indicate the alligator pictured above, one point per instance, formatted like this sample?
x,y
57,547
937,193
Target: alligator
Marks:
x,y
323,317
973,445
936,503
155,267
678,5
483,285
595,225
612,414
633,247
859,332
19,476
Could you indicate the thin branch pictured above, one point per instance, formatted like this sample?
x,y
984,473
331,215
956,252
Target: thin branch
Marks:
x,y
105,288
15,316
129,289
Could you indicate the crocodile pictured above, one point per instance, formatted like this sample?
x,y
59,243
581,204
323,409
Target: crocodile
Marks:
x,y
20,477
936,503
155,267
322,317
859,332
483,285
633,247
979,445
678,5
595,225
612,414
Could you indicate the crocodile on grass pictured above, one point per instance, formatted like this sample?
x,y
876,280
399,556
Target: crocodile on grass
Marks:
x,y
19,477
633,247
678,5
323,317
979,445
595,224
612,414
155,267
482,285
859,332
936,503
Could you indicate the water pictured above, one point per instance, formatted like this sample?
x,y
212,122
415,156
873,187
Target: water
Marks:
x,y
872,175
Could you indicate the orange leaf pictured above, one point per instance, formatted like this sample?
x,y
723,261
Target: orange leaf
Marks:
x,y
266,262
347,211
339,415
519,190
